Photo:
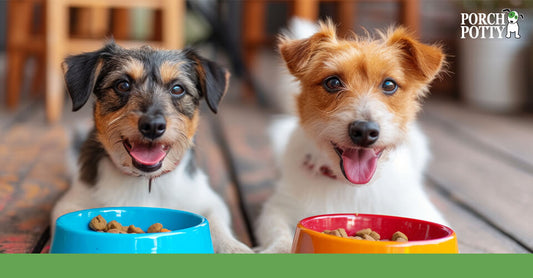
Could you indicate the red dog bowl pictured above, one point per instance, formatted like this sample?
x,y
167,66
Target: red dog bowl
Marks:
x,y
424,236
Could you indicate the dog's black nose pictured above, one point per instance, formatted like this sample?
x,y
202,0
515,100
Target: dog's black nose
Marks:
x,y
363,133
152,126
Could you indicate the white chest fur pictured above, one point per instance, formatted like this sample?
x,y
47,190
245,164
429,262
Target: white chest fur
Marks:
x,y
176,189
396,189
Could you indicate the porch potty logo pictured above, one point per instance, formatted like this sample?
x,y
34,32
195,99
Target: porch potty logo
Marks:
x,y
491,25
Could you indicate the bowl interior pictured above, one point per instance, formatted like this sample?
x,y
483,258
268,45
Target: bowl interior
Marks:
x,y
386,226
189,232
141,217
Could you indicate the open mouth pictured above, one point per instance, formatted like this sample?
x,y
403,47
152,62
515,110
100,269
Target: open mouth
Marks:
x,y
358,165
147,157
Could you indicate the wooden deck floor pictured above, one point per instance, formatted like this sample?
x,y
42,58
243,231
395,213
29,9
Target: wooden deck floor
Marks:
x,y
480,177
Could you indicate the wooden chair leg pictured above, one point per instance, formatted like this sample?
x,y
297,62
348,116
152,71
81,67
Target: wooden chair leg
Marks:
x,y
17,33
253,29
346,10
39,79
56,20
307,9
172,35
14,77
410,15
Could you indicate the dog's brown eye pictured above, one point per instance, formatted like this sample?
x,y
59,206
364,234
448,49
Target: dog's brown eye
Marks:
x,y
332,84
389,86
177,90
123,86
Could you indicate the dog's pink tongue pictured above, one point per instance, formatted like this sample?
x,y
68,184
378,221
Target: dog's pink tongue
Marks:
x,y
147,154
359,165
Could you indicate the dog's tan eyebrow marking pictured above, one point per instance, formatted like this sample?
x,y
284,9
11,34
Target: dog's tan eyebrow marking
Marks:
x,y
97,70
169,71
134,68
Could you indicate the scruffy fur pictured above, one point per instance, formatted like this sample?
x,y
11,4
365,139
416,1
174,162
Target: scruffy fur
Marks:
x,y
319,134
145,99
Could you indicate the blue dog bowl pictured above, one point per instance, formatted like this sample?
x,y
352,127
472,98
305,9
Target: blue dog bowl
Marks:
x,y
189,232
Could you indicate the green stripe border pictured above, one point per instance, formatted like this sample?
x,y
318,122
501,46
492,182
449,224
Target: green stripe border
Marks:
x,y
265,265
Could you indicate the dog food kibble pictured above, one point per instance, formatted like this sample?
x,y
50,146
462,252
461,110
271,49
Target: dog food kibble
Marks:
x,y
114,225
155,228
365,234
135,230
399,236
338,232
375,235
99,224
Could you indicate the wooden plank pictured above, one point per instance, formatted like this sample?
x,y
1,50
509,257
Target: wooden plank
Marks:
x,y
32,176
211,159
245,129
473,234
494,189
509,135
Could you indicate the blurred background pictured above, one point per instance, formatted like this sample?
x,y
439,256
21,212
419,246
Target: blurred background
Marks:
x,y
478,116
244,31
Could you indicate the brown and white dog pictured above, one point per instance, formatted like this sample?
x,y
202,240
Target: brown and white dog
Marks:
x,y
140,152
354,146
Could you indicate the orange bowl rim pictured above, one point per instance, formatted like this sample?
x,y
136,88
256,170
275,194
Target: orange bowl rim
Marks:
x,y
317,234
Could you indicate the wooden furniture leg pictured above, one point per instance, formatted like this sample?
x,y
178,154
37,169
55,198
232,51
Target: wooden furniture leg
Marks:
x,y
346,10
173,15
253,29
39,78
57,26
307,9
17,34
410,15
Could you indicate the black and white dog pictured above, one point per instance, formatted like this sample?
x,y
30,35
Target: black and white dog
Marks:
x,y
140,150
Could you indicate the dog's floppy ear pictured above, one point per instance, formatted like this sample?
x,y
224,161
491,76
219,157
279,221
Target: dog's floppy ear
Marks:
x,y
421,61
297,53
213,80
81,72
